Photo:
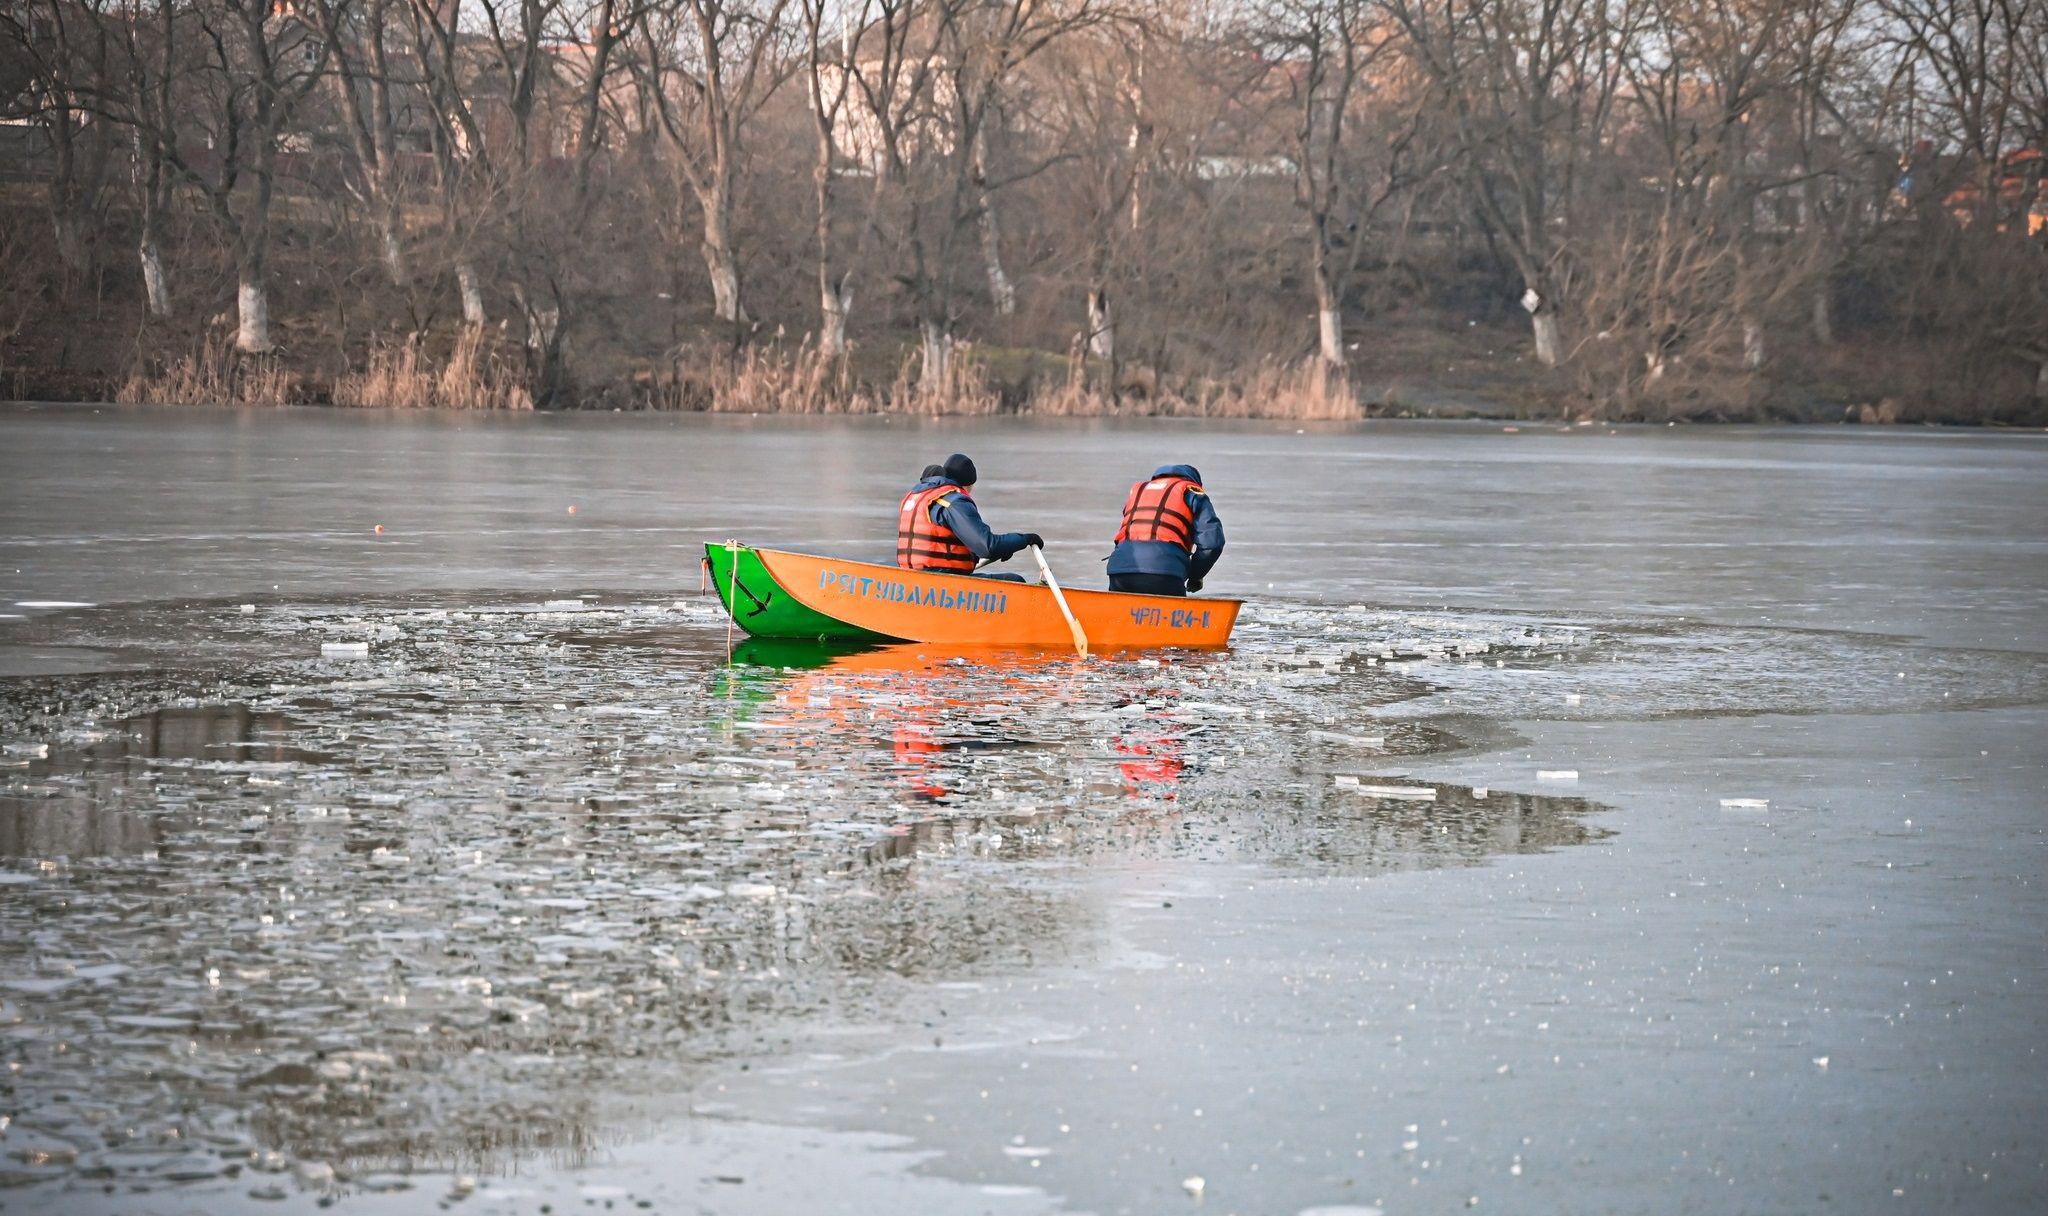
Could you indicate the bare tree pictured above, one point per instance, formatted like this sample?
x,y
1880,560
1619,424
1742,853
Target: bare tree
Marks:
x,y
256,66
360,38
980,45
1529,87
1353,113
708,68
831,59
65,47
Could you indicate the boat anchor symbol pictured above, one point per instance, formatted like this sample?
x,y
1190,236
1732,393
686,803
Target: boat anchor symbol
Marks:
x,y
760,605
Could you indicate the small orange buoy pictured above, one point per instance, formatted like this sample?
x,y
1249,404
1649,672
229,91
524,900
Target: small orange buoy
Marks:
x,y
379,529
572,508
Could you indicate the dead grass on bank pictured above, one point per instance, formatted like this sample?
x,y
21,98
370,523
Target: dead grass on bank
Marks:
x,y
768,382
402,376
474,375
1305,391
765,381
214,374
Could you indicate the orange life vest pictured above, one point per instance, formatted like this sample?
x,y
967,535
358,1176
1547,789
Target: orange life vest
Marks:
x,y
1160,509
923,543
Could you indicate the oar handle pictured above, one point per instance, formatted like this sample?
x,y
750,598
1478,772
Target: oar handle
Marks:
x,y
1060,597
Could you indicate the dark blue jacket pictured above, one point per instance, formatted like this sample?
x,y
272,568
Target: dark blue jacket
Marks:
x,y
1164,557
959,513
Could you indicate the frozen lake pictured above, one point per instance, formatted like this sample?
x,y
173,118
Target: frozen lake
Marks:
x,y
544,906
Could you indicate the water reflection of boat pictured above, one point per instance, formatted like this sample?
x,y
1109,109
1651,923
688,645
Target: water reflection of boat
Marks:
x,y
773,594
936,710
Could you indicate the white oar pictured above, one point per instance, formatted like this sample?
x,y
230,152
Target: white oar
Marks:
x,y
1059,597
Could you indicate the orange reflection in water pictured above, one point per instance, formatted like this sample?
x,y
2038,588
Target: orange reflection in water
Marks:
x,y
937,706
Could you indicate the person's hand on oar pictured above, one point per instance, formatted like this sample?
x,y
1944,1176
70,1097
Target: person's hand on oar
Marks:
x,y
1059,597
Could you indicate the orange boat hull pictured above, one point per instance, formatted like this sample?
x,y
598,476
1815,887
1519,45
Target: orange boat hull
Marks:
x,y
957,609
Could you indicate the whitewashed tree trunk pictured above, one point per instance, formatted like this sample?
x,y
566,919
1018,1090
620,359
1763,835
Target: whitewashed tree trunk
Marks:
x,y
1101,326
725,287
252,303
1544,323
156,290
1823,317
1752,345
1330,332
833,307
938,357
1002,292
2041,382
472,290
723,266
542,322
394,251
70,242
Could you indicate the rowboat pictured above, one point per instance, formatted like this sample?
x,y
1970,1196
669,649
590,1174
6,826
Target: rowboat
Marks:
x,y
774,594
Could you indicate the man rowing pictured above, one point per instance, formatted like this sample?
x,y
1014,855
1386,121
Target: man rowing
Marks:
x,y
938,527
1170,536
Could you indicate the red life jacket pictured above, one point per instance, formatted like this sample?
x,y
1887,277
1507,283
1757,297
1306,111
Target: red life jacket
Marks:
x,y
1160,509
922,543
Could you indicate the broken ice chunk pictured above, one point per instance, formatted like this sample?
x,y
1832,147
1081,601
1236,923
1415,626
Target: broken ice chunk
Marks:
x,y
1331,736
1418,793
344,650
1745,804
1557,774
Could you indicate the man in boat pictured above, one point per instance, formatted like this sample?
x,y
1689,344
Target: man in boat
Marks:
x,y
938,527
1170,535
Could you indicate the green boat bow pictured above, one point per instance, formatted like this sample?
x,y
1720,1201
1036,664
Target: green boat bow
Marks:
x,y
763,607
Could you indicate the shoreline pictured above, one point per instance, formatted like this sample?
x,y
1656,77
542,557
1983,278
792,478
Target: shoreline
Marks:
x,y
1475,414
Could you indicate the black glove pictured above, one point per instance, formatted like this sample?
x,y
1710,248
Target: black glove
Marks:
x,y
1194,585
1033,540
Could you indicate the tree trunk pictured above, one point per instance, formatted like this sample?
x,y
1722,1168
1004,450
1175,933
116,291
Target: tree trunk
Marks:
x,y
71,241
1001,291
1330,335
394,246
1544,323
1823,316
1101,326
723,265
252,302
252,296
472,293
938,357
1752,345
157,292
2041,381
834,304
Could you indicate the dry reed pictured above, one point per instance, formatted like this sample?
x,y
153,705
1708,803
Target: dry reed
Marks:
x,y
403,377
215,374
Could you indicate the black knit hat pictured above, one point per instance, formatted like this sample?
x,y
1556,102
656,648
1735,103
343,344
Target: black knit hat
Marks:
x,y
960,469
